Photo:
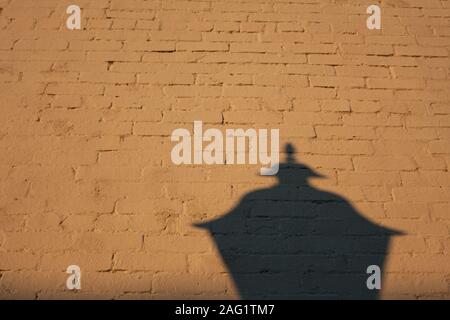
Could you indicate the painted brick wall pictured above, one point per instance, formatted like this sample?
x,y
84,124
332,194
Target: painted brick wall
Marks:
x,y
86,117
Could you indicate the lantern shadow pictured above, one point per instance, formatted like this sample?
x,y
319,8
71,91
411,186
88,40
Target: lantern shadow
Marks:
x,y
293,241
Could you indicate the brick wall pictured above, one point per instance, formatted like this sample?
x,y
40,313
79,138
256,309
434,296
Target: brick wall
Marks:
x,y
86,117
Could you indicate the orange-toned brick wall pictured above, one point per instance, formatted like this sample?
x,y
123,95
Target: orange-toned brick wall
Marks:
x,y
86,117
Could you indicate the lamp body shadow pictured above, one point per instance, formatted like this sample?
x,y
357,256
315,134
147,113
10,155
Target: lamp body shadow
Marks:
x,y
293,241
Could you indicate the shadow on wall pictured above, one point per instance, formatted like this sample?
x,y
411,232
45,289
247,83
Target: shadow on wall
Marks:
x,y
293,241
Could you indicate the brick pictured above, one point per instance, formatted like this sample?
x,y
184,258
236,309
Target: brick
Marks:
x,y
416,51
109,242
228,37
37,241
255,47
202,46
329,162
426,178
117,282
41,44
154,46
337,147
281,80
369,179
440,211
189,283
23,283
336,82
176,244
86,262
87,89
384,163
12,223
399,147
440,147
344,132
187,91
109,77
362,71
18,260
189,117
396,84
379,50
148,261
406,210
381,120
249,91
421,193
251,117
